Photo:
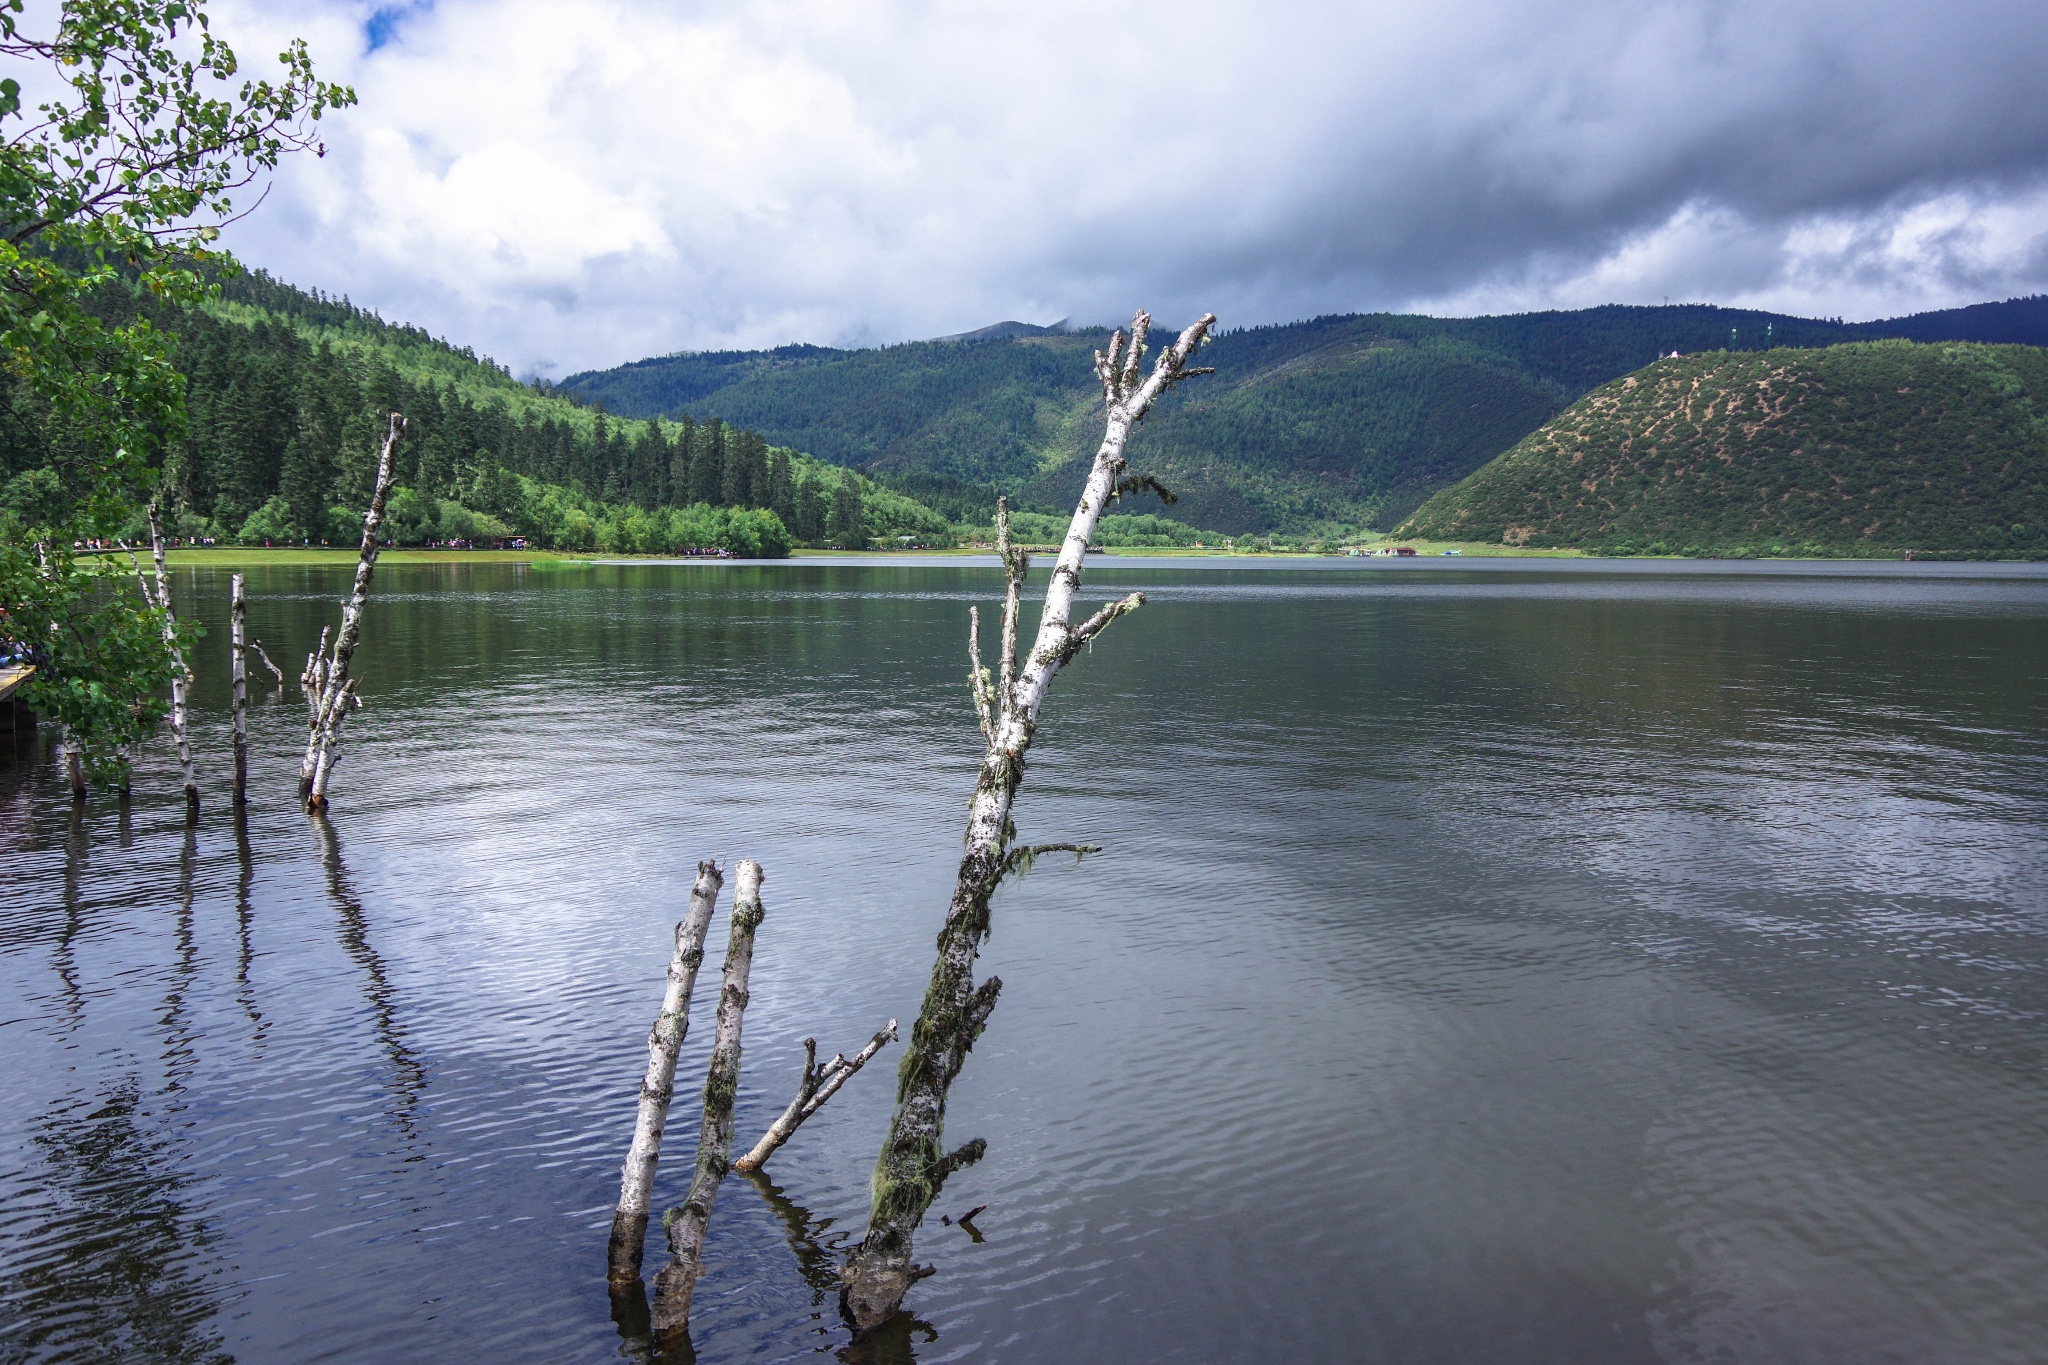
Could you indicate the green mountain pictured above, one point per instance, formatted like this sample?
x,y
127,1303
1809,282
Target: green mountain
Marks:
x,y
1863,448
1349,420
286,398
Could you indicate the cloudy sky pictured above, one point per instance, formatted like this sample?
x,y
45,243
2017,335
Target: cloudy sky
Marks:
x,y
576,183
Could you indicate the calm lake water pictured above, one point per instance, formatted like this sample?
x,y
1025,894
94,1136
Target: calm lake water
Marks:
x,y
1508,962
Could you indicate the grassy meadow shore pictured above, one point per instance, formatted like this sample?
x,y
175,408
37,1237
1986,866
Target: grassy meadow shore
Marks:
x,y
247,556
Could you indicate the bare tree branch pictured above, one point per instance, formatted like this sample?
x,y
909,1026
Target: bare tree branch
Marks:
x,y
275,671
819,1084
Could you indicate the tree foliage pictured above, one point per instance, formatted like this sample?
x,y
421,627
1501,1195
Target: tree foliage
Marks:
x,y
287,392
117,177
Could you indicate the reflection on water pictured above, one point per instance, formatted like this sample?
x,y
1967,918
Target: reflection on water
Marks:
x,y
109,1264
1502,964
408,1078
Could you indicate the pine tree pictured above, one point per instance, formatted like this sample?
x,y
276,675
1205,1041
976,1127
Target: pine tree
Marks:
x,y
707,462
679,461
809,521
303,484
602,469
781,488
847,528
736,484
238,474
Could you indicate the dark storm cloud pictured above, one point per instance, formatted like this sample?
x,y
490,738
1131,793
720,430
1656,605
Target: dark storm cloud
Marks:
x,y
620,179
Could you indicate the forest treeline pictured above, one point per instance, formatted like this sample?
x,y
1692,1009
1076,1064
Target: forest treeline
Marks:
x,y
287,395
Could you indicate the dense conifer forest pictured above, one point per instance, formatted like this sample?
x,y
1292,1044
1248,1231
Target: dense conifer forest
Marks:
x,y
286,398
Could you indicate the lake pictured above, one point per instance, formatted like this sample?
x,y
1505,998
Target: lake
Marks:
x,y
1512,961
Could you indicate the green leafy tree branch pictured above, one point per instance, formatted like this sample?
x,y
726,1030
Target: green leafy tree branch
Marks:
x,y
122,178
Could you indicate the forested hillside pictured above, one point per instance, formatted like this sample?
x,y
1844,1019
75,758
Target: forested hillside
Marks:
x,y
286,400
1350,420
1872,447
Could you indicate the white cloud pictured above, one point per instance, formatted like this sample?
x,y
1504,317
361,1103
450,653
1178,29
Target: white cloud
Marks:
x,y
585,183
1932,251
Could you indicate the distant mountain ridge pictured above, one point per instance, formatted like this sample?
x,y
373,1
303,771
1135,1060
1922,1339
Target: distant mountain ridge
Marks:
x,y
1348,420
1003,331
1869,447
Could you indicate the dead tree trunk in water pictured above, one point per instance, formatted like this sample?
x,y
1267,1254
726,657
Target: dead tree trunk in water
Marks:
x,y
275,671
337,689
314,679
239,627
181,677
677,1283
74,765
664,1041
819,1084
913,1165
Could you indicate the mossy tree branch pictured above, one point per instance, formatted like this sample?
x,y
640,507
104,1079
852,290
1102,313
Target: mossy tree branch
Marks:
x,y
911,1169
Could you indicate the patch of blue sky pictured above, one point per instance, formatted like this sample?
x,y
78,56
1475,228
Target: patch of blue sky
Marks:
x,y
381,28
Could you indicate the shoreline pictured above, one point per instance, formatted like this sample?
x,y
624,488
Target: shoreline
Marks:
x,y
1472,556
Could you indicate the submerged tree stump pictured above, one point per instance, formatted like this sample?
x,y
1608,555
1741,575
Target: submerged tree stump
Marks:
x,y
676,1285
238,628
337,694
181,676
664,1042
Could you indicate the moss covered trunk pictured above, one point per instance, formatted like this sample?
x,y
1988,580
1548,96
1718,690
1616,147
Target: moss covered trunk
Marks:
x,y
914,1164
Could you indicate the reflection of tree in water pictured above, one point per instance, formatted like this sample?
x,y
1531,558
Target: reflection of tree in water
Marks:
x,y
819,1251
76,849
817,1248
112,1272
245,881
409,1077
179,1050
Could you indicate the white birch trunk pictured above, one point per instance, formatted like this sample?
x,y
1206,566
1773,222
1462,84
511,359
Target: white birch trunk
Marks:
x,y
181,679
819,1084
337,696
239,627
676,1285
313,679
913,1165
664,1041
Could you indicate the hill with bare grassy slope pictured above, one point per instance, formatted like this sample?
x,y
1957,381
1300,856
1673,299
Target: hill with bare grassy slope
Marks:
x,y
1865,448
